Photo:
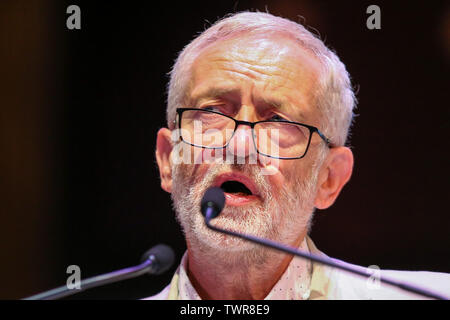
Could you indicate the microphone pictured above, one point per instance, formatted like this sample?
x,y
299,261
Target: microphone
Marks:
x,y
155,261
212,205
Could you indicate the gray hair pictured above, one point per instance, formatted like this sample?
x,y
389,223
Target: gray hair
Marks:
x,y
335,99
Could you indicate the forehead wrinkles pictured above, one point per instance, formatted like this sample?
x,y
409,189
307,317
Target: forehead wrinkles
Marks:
x,y
278,65
253,58
264,76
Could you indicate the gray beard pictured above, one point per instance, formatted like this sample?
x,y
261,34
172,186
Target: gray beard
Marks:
x,y
283,215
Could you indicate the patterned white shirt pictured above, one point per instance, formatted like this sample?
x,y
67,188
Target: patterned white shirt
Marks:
x,y
324,283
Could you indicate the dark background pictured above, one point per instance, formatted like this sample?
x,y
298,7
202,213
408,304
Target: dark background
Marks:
x,y
79,112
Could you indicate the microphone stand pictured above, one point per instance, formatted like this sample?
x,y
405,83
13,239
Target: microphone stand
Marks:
x,y
96,281
156,261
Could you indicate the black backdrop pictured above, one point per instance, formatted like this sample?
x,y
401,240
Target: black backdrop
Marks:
x,y
105,100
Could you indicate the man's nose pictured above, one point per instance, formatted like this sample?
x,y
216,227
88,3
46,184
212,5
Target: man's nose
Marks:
x,y
241,145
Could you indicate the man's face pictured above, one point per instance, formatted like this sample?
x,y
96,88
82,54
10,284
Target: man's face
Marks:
x,y
252,79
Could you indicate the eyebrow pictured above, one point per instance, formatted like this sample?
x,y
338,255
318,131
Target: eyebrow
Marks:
x,y
216,92
274,102
278,104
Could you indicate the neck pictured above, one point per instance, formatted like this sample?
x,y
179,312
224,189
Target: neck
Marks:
x,y
216,276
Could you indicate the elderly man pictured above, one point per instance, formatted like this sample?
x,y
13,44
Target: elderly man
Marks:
x,y
260,107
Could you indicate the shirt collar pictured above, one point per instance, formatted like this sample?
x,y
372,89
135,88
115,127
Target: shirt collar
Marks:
x,y
321,284
292,284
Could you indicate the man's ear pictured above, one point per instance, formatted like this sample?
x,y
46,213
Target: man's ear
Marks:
x,y
334,174
163,158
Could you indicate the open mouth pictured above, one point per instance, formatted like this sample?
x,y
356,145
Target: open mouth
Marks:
x,y
236,188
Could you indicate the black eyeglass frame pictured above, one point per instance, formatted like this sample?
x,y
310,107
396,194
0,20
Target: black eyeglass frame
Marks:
x,y
311,129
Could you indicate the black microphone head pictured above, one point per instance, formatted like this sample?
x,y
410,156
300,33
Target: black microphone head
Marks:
x,y
164,258
213,198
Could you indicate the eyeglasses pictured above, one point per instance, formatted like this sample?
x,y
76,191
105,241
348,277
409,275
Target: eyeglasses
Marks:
x,y
280,139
